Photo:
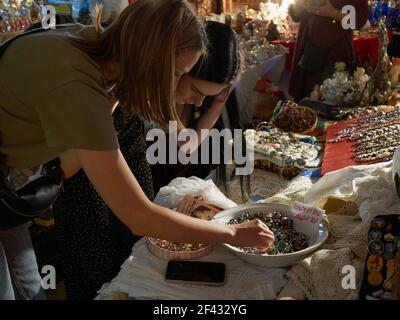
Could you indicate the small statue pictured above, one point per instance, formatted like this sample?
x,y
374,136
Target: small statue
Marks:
x,y
316,93
340,75
340,66
349,95
384,63
365,99
239,22
360,76
272,32
394,72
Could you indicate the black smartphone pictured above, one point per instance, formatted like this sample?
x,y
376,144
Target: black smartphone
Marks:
x,y
196,272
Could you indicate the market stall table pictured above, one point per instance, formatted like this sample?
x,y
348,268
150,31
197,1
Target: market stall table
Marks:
x,y
142,277
350,196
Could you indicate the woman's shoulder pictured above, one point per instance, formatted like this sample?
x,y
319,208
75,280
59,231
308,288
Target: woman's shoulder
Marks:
x,y
52,58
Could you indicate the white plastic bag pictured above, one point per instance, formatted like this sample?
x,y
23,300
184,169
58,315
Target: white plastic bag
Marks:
x,y
171,195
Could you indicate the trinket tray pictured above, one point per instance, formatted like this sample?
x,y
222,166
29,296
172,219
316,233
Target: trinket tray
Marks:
x,y
282,149
196,207
177,251
381,280
286,172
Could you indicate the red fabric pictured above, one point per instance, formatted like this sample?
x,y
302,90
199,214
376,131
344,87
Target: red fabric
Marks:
x,y
365,47
338,155
264,86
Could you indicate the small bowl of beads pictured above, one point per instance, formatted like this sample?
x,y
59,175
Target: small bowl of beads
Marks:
x,y
291,117
169,250
294,240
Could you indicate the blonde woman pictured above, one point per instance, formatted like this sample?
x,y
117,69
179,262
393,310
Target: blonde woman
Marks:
x,y
58,90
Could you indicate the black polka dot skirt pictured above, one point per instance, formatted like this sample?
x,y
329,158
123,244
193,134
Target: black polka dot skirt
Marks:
x,y
92,242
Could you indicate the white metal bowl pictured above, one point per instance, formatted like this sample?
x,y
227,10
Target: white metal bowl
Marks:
x,y
315,239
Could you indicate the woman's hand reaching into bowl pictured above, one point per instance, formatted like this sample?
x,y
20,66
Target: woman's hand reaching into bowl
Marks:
x,y
252,233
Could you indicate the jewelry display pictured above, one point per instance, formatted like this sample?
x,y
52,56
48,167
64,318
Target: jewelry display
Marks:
x,y
375,137
18,15
282,152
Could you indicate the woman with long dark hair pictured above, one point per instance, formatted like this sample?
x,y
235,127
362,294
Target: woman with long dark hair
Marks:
x,y
204,94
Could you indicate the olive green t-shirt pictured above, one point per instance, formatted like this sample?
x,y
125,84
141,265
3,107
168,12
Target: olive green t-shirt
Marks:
x,y
51,99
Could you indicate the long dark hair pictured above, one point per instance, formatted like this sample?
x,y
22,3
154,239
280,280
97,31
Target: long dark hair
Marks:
x,y
222,62
222,65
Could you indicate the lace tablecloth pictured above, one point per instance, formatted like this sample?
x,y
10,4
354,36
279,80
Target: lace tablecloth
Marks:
x,y
263,183
351,197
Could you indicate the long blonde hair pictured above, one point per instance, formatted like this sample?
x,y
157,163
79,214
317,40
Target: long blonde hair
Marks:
x,y
144,41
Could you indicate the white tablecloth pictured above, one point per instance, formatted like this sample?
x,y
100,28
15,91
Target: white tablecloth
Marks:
x,y
273,69
142,276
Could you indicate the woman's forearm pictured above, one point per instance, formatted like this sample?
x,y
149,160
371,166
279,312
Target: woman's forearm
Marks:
x,y
171,225
113,180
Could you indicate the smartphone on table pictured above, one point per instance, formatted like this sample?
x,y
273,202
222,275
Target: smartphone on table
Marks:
x,y
196,272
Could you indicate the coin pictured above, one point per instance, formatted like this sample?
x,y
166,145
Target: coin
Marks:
x,y
375,278
388,285
375,247
390,266
374,263
374,235
377,223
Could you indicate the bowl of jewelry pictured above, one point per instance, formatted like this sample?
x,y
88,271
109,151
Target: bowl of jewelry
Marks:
x,y
291,117
294,238
169,250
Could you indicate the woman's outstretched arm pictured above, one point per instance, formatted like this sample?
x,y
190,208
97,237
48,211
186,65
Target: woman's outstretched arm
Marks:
x,y
112,178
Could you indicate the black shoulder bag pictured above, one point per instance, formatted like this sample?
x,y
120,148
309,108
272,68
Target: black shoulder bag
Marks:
x,y
30,201
36,197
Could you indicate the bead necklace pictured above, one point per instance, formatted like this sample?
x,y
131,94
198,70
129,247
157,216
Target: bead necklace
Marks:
x,y
354,133
384,155
377,147
385,137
